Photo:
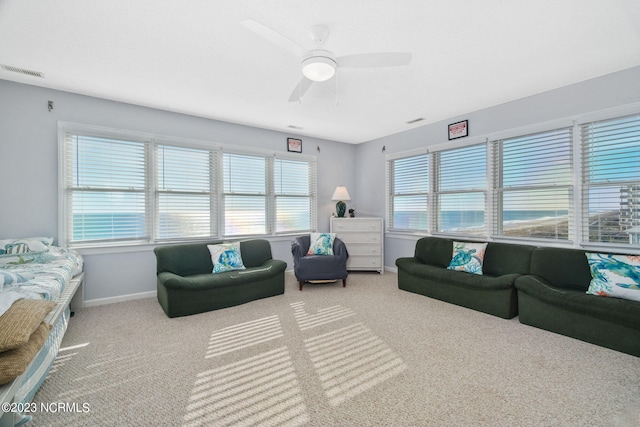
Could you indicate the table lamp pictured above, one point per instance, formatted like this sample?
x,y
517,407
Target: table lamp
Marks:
x,y
341,194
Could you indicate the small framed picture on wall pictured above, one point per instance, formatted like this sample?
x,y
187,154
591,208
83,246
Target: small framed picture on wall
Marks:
x,y
294,145
458,130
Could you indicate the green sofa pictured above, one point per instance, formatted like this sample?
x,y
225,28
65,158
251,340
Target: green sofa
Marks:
x,y
553,297
493,292
187,286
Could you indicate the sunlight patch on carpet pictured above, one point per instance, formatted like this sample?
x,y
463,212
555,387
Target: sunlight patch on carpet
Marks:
x,y
262,390
244,335
351,360
65,354
322,317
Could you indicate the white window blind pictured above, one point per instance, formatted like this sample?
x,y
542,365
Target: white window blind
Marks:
x,y
245,194
105,184
121,187
533,185
461,181
408,193
294,192
185,197
611,180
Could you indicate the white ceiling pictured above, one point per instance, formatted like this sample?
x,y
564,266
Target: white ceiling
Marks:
x,y
195,57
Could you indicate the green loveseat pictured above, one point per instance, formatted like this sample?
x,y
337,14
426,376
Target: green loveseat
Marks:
x,y
493,292
187,286
553,297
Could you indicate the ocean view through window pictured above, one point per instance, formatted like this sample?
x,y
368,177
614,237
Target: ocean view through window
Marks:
x,y
578,184
125,188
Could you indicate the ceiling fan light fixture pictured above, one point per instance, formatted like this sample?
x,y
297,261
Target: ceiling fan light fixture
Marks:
x,y
319,68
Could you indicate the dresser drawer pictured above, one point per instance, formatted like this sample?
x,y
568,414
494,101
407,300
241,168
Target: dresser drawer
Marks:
x,y
364,262
357,224
362,249
349,237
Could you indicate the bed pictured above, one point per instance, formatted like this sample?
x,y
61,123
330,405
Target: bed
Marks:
x,y
35,269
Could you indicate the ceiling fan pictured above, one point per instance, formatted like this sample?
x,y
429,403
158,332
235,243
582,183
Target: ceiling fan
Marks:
x,y
318,64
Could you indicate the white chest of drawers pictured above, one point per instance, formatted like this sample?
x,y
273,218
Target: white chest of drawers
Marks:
x,y
364,240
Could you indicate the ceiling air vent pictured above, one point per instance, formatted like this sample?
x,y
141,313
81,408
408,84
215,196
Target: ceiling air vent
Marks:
x,y
22,71
410,122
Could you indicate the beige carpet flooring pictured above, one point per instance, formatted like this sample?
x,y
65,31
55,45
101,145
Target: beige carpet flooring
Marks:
x,y
365,355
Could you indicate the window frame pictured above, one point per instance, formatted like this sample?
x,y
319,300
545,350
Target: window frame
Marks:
x,y
391,193
152,191
576,203
500,188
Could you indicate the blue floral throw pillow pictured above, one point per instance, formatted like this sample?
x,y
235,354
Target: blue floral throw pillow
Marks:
x,y
321,244
226,257
468,257
614,275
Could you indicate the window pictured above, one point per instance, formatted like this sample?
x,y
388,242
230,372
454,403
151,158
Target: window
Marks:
x,y
578,184
126,188
293,181
185,196
461,180
611,181
105,189
408,193
533,185
245,194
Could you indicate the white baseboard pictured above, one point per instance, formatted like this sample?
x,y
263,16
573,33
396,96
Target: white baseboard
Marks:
x,y
111,300
153,294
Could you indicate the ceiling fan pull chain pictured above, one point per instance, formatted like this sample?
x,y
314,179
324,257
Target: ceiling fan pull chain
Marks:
x,y
337,89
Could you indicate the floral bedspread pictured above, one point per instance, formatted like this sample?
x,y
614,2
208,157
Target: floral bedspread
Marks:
x,y
39,275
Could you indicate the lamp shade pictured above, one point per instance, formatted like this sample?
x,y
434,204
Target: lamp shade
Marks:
x,y
318,68
341,193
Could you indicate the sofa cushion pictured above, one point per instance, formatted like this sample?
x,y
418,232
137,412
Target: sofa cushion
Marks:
x,y
614,275
21,320
467,257
227,279
226,257
623,312
507,258
434,251
563,268
443,276
184,259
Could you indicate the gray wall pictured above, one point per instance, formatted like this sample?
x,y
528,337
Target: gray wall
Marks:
x,y
605,92
29,166
28,160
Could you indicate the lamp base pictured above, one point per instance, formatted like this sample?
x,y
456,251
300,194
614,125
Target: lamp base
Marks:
x,y
341,208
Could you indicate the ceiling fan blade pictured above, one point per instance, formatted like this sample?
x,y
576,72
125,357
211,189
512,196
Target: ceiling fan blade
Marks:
x,y
274,37
381,59
300,89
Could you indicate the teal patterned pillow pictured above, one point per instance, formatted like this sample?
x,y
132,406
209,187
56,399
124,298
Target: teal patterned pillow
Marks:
x,y
321,244
12,247
226,257
467,257
614,275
